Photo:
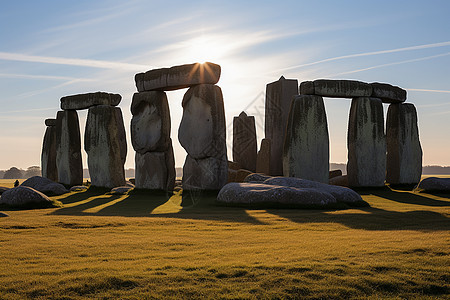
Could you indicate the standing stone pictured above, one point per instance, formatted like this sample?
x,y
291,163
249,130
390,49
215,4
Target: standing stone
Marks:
x,y
202,128
306,152
68,148
404,153
279,95
155,170
48,155
263,158
105,144
244,141
150,125
205,174
366,143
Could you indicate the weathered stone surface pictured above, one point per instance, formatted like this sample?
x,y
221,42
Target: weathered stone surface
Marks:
x,y
204,174
366,143
434,184
241,175
234,165
339,180
334,173
231,175
105,144
155,170
45,185
50,122
279,96
48,154
388,93
336,88
68,148
263,157
3,189
121,190
150,124
341,194
404,153
306,146
84,101
244,141
22,195
256,178
202,128
178,77
78,188
3,215
258,193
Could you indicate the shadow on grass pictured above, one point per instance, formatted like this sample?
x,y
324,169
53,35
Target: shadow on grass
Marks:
x,y
408,197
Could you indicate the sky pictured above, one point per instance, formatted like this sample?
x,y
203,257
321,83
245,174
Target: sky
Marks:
x,y
50,49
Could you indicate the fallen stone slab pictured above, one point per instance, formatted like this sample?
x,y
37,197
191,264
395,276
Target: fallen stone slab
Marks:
x,y
178,77
334,173
45,185
121,190
255,194
336,88
388,93
257,178
341,194
24,195
434,184
78,188
84,101
339,180
3,189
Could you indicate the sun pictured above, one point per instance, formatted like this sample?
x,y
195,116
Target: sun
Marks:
x,y
205,48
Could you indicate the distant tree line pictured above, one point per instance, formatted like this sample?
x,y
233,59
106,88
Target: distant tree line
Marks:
x,y
16,173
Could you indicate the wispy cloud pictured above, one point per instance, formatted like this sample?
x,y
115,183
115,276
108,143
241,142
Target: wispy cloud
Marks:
x,y
71,61
25,110
432,91
44,77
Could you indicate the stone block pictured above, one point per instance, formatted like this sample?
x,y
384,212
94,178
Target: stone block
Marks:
x,y
204,174
366,143
50,122
404,153
202,128
388,93
336,88
150,124
48,154
306,152
263,157
244,141
84,101
279,96
178,77
105,144
68,148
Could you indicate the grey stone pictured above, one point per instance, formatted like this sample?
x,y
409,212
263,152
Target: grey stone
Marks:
x,y
50,122
258,193
48,155
334,173
202,128
84,101
3,189
23,195
388,93
244,141
336,88
306,151
150,124
256,178
155,170
279,96
341,194
105,144
121,190
78,188
68,148
340,180
178,77
366,143
434,184
234,165
404,153
45,185
3,215
263,157
204,174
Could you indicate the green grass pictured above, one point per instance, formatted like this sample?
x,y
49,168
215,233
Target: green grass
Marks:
x,y
155,246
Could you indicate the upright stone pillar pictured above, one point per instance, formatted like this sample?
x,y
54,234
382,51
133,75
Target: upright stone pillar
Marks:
x,y
279,95
366,143
263,158
202,134
68,148
306,147
404,153
244,141
150,136
105,144
48,155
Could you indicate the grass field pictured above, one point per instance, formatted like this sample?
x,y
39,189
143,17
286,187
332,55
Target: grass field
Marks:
x,y
140,246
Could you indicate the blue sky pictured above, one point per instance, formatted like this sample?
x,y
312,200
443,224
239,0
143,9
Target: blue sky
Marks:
x,y
49,49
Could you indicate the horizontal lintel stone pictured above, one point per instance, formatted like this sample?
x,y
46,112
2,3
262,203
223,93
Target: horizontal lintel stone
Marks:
x,y
85,101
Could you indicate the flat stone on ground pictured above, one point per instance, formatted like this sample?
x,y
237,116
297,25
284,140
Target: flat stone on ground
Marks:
x,y
23,195
178,77
434,184
388,93
45,185
336,88
84,101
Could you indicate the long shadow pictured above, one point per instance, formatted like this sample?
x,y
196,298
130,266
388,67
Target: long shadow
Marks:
x,y
409,198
